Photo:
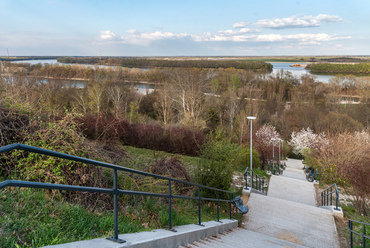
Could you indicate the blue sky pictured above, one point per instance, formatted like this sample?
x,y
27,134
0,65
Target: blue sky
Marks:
x,y
184,27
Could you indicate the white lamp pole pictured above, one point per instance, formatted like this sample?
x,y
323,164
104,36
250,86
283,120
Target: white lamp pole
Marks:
x,y
279,150
273,151
282,142
251,152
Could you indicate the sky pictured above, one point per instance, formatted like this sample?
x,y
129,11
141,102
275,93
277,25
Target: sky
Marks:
x,y
184,27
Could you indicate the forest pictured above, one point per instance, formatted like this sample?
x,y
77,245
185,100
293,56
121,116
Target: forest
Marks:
x,y
171,63
340,68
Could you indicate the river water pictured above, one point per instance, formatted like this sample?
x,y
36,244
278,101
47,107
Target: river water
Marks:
x,y
296,71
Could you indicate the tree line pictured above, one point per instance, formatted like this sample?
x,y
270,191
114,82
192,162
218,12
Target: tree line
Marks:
x,y
161,63
340,68
204,99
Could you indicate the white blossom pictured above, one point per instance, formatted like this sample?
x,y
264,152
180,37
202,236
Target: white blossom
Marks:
x,y
306,139
266,133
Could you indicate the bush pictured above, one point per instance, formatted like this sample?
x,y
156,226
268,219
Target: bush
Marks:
x,y
238,157
61,136
345,160
172,167
216,174
174,139
215,170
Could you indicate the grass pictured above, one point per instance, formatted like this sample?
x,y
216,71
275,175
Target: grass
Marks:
x,y
343,231
31,218
37,217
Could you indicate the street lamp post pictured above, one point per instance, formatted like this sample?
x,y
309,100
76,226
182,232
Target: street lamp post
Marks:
x,y
273,151
251,152
282,142
279,150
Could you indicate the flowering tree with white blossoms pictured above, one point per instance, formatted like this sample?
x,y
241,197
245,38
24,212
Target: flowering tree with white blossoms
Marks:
x,y
263,142
306,139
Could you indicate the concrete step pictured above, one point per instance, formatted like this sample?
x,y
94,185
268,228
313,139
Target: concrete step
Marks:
x,y
242,238
257,192
292,190
299,223
295,174
159,238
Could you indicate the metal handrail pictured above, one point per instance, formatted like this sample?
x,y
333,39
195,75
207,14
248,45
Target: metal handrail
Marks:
x,y
363,234
327,196
259,181
274,168
115,191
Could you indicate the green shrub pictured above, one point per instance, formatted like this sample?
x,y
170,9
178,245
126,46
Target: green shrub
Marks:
x,y
216,174
61,136
238,157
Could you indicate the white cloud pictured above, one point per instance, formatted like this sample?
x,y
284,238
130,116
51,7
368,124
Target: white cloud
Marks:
x,y
304,38
240,31
298,21
107,35
231,35
131,31
241,24
328,18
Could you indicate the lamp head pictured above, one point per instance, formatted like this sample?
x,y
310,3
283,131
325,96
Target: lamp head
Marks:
x,y
251,117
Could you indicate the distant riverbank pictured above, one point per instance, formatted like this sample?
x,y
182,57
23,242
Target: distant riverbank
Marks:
x,y
277,66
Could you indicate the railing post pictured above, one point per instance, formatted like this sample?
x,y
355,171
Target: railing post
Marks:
x,y
231,195
263,185
170,207
199,210
336,200
251,179
351,234
363,236
246,181
115,202
327,198
324,195
331,196
322,198
218,207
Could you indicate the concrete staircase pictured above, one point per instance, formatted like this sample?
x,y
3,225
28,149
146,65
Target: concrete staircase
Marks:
x,y
299,223
241,238
287,217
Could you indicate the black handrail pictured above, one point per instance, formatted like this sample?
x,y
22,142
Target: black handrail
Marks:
x,y
363,234
273,168
259,181
327,196
115,191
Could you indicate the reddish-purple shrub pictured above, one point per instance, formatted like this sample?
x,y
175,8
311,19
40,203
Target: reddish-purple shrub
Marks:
x,y
174,139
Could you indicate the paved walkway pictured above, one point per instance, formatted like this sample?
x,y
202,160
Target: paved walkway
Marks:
x,y
286,217
289,211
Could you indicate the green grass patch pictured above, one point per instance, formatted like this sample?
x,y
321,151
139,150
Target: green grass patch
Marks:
x,y
343,231
30,218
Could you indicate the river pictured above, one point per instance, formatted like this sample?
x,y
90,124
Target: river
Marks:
x,y
299,71
296,71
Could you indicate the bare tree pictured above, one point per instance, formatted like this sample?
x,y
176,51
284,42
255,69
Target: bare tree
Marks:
x,y
191,85
164,103
115,93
